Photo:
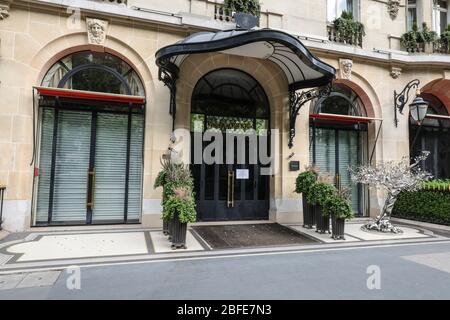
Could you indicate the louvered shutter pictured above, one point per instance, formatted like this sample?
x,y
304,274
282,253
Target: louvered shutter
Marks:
x,y
110,167
71,166
136,164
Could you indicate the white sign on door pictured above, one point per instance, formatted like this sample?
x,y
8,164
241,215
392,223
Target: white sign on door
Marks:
x,y
242,174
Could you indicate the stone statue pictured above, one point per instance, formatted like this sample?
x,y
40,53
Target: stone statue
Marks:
x,y
393,8
346,66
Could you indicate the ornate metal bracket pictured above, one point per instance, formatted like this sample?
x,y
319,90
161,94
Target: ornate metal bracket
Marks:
x,y
401,99
168,74
296,102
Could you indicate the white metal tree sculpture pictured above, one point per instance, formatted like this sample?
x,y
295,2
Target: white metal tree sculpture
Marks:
x,y
393,177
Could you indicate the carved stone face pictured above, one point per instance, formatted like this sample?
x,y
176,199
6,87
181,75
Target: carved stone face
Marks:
x,y
96,30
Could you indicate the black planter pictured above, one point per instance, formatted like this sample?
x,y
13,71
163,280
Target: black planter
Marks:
x,y
308,214
165,227
179,231
337,228
170,226
322,222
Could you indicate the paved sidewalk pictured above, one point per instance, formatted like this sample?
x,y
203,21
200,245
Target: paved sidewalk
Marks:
x,y
47,250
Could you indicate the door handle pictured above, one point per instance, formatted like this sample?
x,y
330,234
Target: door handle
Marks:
x,y
91,183
230,194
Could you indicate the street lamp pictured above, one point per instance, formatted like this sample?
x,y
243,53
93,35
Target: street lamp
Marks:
x,y
418,108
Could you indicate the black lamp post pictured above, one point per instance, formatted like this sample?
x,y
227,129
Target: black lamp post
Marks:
x,y
401,99
418,110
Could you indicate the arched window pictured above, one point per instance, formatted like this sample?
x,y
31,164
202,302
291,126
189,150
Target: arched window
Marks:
x,y
229,99
433,136
93,71
342,101
337,144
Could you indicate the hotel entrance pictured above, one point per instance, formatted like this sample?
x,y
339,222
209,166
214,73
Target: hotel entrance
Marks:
x,y
230,110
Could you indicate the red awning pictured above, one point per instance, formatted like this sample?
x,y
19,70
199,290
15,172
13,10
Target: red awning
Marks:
x,y
342,118
90,95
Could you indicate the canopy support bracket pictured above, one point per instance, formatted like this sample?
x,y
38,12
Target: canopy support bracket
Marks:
x,y
168,74
297,100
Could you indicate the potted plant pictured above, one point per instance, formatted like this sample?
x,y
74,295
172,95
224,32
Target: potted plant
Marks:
x,y
160,181
348,30
445,40
180,208
252,7
419,40
303,184
339,209
318,194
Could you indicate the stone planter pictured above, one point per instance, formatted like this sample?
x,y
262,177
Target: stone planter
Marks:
x,y
178,232
308,214
322,222
337,228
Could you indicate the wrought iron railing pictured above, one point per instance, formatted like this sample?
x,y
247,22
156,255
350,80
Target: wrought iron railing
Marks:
x,y
355,39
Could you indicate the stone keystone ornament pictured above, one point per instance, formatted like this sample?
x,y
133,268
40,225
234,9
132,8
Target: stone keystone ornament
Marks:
x,y
96,30
393,177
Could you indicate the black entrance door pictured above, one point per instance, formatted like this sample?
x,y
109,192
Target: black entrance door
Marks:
x,y
231,105
237,190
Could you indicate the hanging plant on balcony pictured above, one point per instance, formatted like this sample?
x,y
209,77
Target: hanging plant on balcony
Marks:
x,y
348,30
445,40
252,7
415,40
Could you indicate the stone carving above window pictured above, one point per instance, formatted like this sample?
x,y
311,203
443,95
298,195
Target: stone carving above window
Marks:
x,y
393,8
4,9
345,70
396,72
96,30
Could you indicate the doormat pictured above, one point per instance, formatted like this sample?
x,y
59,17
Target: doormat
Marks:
x,y
250,235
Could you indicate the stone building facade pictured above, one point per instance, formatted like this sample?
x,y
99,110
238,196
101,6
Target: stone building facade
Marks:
x,y
37,37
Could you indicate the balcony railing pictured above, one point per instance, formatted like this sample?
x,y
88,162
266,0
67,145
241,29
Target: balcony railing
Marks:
x,y
222,14
116,1
351,39
429,48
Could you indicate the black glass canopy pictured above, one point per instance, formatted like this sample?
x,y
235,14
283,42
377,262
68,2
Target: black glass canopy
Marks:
x,y
302,69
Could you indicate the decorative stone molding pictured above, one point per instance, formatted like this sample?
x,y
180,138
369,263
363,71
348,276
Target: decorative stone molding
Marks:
x,y
396,72
446,74
345,70
96,30
393,8
4,9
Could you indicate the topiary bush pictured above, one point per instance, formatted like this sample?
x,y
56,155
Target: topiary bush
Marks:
x,y
305,181
319,193
424,205
252,7
348,30
412,39
339,207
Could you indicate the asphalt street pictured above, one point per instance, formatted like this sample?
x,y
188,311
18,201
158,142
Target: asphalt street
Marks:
x,y
414,271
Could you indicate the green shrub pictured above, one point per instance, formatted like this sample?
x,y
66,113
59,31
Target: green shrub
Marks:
x,y
319,193
412,38
252,7
438,185
185,208
339,207
424,205
305,181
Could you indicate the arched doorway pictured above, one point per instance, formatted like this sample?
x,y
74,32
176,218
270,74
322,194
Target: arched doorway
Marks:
x,y
337,144
230,108
432,135
91,142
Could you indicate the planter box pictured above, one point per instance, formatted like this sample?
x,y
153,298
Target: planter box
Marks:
x,y
322,222
178,232
337,228
308,214
165,227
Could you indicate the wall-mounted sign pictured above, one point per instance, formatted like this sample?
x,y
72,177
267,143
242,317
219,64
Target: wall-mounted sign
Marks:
x,y
242,174
294,165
